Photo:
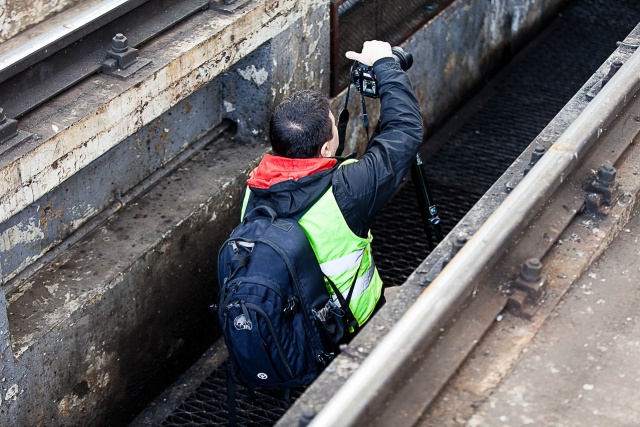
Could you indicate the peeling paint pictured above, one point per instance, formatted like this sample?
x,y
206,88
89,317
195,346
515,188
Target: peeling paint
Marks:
x,y
20,234
68,403
53,288
251,73
228,106
90,211
12,393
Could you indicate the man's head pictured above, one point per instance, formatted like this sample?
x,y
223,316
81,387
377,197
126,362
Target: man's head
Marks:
x,y
303,127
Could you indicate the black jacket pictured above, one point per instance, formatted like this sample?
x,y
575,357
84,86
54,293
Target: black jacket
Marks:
x,y
362,188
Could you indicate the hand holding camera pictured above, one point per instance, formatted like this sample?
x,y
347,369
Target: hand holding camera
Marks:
x,y
371,52
362,74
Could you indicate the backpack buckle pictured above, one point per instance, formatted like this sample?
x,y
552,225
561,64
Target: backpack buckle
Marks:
x,y
324,358
291,307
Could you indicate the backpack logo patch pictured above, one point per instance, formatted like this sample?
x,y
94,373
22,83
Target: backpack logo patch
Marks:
x,y
242,323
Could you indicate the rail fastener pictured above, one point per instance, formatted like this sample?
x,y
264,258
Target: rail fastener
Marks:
x,y
527,290
122,60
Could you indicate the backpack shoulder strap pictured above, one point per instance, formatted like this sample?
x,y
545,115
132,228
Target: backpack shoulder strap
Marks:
x,y
349,319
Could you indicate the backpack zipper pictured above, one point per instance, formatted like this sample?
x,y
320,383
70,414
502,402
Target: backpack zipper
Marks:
x,y
254,280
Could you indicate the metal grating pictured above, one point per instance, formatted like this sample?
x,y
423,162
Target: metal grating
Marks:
x,y
492,138
207,405
459,173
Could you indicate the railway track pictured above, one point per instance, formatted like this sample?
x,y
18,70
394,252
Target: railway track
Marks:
x,y
35,68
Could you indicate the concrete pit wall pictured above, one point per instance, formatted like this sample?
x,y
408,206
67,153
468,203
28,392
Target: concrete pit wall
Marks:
x,y
114,316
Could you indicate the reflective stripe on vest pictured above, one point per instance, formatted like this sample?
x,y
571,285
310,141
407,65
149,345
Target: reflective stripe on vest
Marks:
x,y
362,284
340,265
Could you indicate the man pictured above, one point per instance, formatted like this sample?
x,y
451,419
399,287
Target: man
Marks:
x,y
335,202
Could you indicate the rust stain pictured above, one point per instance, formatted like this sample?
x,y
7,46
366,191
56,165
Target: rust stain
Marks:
x,y
188,108
450,66
48,214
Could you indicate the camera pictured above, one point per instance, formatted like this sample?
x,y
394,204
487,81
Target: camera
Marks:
x,y
364,78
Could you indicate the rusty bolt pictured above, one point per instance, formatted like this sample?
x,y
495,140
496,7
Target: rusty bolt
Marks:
x,y
605,182
606,175
594,202
119,43
531,270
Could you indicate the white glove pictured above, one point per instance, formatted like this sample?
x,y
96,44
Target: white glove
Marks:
x,y
371,52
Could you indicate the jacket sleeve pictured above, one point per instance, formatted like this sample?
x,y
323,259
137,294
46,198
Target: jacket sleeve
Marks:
x,y
362,188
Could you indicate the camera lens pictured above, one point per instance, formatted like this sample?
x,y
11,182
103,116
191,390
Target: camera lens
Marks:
x,y
403,58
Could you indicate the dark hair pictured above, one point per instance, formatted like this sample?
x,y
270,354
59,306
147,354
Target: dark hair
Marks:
x,y
300,125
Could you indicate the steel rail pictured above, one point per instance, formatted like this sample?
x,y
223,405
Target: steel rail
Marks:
x,y
46,44
53,74
388,363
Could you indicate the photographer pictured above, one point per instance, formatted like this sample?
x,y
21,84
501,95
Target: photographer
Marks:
x,y
336,201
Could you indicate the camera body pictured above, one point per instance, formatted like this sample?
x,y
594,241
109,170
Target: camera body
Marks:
x,y
364,78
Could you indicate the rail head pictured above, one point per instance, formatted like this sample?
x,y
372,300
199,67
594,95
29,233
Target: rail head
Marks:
x,y
72,30
421,323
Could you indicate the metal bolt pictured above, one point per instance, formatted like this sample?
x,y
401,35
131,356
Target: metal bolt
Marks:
x,y
119,43
306,417
594,202
535,156
458,243
531,270
3,116
615,66
606,175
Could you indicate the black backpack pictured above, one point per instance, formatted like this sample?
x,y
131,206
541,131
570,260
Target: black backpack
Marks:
x,y
279,324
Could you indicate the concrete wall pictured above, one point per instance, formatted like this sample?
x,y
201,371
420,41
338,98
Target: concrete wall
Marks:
x,y
109,292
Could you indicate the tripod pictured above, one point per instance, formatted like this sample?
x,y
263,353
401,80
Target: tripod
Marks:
x,y
428,209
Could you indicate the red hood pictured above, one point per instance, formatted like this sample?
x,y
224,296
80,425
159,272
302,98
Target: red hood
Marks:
x,y
274,169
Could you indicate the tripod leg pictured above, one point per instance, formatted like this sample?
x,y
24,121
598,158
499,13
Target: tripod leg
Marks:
x,y
428,210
